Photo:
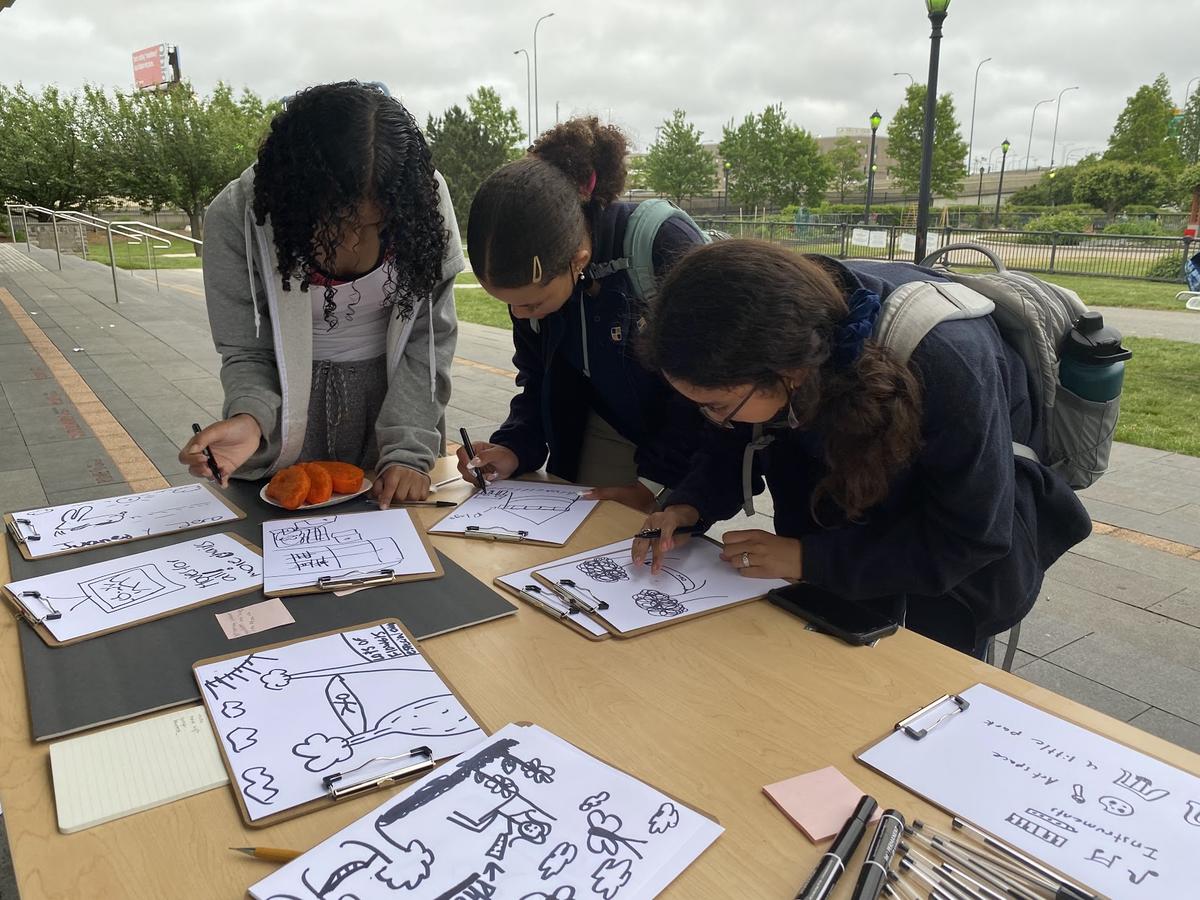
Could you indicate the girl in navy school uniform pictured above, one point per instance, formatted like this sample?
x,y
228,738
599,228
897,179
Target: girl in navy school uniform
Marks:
x,y
888,480
540,228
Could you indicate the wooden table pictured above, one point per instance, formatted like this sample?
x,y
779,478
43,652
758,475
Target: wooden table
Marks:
x,y
709,710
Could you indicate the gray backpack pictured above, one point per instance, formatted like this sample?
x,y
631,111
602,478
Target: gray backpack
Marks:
x,y
1034,317
637,252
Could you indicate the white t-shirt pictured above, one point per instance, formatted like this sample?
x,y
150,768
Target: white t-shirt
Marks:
x,y
362,319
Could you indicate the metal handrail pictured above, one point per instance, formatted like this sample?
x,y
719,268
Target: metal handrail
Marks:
x,y
153,235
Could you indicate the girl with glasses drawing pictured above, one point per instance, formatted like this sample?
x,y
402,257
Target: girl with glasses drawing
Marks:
x,y
888,479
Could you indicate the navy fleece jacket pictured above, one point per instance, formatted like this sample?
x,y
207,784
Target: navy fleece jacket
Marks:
x,y
561,382
967,520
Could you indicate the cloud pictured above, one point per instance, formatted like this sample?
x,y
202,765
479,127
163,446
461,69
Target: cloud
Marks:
x,y
322,751
830,65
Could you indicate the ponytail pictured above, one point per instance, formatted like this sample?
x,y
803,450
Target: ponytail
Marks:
x,y
541,205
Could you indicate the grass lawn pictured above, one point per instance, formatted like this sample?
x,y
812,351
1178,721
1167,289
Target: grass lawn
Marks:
x,y
133,256
1161,401
466,277
1120,292
476,305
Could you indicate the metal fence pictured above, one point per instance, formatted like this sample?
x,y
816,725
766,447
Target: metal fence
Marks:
x,y
1107,255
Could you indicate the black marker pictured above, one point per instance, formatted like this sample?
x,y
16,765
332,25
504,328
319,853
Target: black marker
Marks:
x,y
470,448
212,463
833,863
653,534
439,504
873,875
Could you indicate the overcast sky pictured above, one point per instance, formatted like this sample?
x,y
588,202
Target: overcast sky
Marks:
x,y
830,63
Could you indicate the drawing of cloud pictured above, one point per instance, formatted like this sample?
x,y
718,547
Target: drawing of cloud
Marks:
x,y
593,801
233,709
665,818
411,866
610,877
258,785
565,892
557,860
241,738
276,679
323,751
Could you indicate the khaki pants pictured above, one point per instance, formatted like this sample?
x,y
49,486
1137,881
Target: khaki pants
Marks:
x,y
606,458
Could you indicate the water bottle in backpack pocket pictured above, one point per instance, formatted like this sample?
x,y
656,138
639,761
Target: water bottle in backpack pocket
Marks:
x,y
1091,374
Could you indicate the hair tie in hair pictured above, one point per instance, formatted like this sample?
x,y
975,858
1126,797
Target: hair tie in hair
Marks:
x,y
591,185
852,331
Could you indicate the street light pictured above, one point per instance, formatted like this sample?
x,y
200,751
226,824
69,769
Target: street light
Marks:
x,y
937,15
1029,143
974,94
911,80
728,166
528,102
876,118
1057,110
1051,175
979,195
536,121
1000,187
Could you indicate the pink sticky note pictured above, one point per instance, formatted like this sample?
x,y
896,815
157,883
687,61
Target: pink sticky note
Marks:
x,y
255,618
818,803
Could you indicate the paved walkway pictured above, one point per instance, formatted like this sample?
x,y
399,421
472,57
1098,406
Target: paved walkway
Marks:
x,y
1117,628
1175,326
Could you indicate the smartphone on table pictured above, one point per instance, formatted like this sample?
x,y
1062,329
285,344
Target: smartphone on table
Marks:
x,y
854,623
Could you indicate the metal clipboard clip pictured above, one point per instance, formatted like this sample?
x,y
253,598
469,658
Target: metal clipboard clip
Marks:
x,y
905,725
328,583
48,617
580,598
490,534
14,528
424,763
547,602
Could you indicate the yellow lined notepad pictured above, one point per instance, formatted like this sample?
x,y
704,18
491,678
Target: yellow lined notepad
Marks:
x,y
124,770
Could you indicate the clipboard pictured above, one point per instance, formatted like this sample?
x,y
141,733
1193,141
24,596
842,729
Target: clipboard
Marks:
x,y
21,531
1039,783
326,584
339,785
39,627
503,534
578,596
549,603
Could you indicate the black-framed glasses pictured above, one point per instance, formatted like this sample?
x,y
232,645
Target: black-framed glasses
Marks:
x,y
727,421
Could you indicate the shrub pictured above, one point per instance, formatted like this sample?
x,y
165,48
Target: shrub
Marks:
x,y
1135,226
1068,224
1169,267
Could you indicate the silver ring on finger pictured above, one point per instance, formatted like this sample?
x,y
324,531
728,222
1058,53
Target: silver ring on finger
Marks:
x,y
745,560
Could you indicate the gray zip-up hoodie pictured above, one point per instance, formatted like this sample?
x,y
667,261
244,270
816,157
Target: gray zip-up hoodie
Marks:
x,y
264,337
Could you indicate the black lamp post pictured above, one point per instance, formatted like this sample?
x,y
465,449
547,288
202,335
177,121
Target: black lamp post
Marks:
x,y
1000,187
979,193
1051,175
876,118
937,15
728,166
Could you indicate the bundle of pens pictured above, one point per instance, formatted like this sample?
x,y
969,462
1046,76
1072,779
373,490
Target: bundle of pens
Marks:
x,y
965,865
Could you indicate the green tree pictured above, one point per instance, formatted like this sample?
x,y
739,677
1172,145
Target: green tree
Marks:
x,y
50,155
177,148
1054,188
469,144
904,144
1112,185
846,163
774,163
1189,130
677,164
1142,133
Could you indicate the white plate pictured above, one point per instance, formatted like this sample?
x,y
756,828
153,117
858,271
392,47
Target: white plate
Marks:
x,y
332,501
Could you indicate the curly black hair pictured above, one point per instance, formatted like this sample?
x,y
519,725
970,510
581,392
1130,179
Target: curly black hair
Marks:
x,y
332,147
540,204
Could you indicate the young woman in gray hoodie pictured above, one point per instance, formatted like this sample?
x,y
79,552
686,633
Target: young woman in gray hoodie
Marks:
x,y
329,276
